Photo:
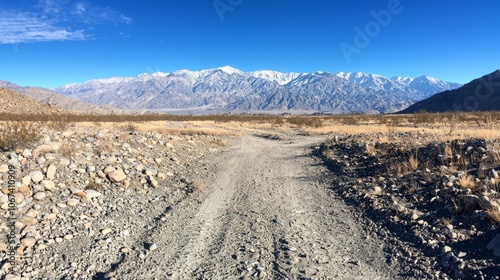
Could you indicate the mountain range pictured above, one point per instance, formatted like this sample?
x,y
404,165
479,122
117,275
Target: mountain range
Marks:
x,y
229,89
481,94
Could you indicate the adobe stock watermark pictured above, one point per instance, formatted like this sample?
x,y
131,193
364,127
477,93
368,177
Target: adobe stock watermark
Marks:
x,y
12,241
224,6
488,86
363,37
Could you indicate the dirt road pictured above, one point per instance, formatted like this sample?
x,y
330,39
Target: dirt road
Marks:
x,y
266,212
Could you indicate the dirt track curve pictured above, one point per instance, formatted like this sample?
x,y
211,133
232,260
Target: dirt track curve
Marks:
x,y
266,213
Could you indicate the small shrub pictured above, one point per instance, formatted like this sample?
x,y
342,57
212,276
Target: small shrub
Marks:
x,y
18,134
130,127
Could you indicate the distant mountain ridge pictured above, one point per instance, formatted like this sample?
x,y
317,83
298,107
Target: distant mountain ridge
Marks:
x,y
481,94
229,89
49,97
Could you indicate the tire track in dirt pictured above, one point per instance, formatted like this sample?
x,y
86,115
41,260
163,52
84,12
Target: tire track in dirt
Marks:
x,y
266,214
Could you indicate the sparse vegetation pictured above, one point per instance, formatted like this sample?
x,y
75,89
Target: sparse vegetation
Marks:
x,y
17,134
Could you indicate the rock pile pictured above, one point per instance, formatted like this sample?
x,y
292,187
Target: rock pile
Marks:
x,y
82,195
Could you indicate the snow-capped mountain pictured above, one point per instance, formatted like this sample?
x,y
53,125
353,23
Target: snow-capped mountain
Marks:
x,y
227,88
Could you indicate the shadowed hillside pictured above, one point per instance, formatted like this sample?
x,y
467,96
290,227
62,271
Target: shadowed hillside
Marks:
x,y
482,94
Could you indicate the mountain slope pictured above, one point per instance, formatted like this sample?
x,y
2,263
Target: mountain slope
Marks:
x,y
13,102
227,88
46,96
482,94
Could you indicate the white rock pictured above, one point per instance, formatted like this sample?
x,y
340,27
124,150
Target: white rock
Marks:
x,y
26,153
36,176
90,169
40,196
28,241
92,193
109,169
3,198
26,180
64,162
51,172
446,249
4,168
106,231
117,176
153,247
48,185
72,202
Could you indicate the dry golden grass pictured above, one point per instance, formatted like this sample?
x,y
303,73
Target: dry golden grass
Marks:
x,y
467,182
439,127
446,221
413,161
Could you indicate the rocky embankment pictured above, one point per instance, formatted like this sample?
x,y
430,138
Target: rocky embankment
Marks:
x,y
438,202
86,197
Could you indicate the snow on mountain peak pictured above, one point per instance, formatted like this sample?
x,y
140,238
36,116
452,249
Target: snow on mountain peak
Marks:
x,y
230,70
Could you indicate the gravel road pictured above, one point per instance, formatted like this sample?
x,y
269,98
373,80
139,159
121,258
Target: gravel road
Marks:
x,y
266,213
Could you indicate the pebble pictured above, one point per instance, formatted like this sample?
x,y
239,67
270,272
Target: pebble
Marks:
x,y
36,176
4,168
73,202
40,195
446,249
117,176
51,172
106,231
28,242
48,185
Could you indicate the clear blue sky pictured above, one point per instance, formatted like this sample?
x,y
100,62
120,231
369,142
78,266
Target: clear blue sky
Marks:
x,y
54,42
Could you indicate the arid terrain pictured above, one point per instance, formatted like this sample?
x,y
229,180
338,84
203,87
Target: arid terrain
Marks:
x,y
251,197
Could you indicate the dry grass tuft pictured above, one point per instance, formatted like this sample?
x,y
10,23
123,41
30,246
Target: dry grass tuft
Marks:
x,y
446,221
467,182
413,161
494,215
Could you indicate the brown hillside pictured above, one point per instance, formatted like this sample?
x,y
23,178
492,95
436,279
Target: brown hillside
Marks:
x,y
16,103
